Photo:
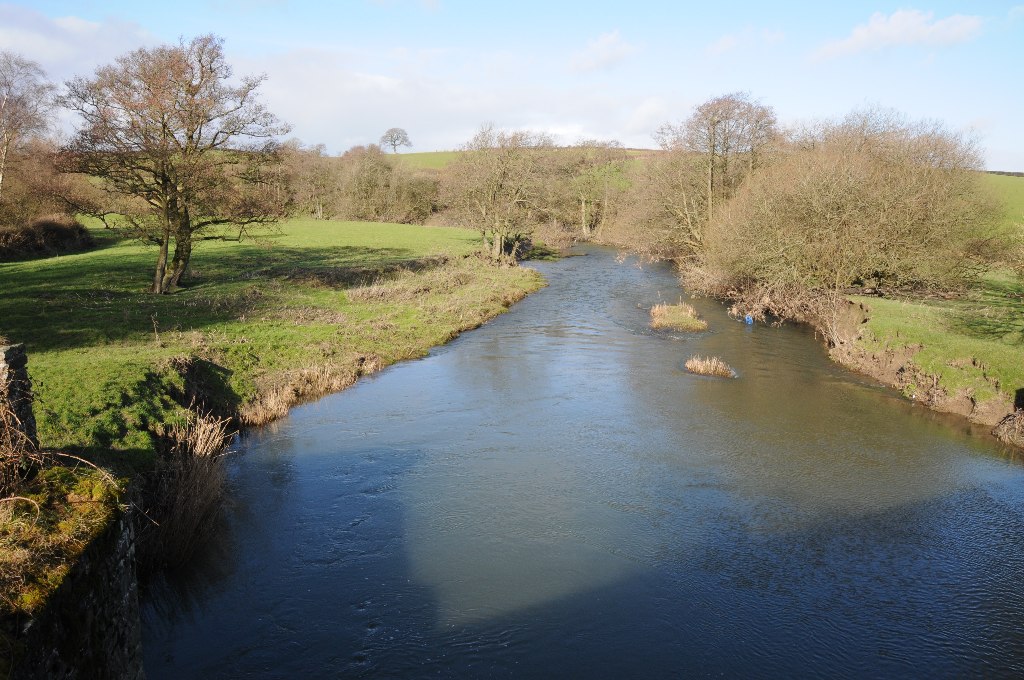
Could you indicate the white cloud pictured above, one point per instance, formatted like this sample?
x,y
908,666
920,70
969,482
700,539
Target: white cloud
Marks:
x,y
903,27
67,46
723,45
605,51
347,97
748,38
644,119
1016,12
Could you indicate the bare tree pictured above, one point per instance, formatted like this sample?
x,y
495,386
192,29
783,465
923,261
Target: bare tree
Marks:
x,y
496,185
395,137
720,131
26,100
313,179
169,128
583,180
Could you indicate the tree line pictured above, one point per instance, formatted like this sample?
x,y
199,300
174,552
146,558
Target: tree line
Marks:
x,y
171,148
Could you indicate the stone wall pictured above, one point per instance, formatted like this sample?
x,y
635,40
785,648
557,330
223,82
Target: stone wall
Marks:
x,y
16,388
90,627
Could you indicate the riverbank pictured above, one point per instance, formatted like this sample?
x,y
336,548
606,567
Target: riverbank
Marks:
x,y
961,356
265,324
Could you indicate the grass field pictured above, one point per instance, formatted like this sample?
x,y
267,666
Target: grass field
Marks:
x,y
101,348
1011,190
968,343
433,160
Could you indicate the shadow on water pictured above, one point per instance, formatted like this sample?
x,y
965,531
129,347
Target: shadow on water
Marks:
x,y
554,495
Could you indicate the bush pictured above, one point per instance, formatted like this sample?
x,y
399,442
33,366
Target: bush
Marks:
x,y
871,202
46,236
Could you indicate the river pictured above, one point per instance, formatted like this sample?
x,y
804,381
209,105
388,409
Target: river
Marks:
x,y
552,495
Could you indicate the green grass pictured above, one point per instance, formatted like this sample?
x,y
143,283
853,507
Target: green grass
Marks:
x,y
680,317
100,347
968,344
1010,190
432,160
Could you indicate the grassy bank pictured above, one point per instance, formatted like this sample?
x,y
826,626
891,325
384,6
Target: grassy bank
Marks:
x,y
266,323
964,355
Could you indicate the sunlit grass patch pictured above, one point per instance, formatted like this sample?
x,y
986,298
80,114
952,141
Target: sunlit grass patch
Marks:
x,y
709,366
680,317
45,527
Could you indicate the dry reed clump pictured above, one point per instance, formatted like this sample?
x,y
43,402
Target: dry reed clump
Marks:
x,y
709,366
280,392
410,285
186,490
680,317
1011,428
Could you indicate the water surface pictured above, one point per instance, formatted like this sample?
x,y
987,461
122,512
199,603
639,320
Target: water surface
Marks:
x,y
553,495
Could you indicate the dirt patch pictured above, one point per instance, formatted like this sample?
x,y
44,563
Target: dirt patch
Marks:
x,y
895,367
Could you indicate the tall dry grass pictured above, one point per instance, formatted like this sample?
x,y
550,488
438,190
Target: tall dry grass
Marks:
x,y
709,366
1011,428
186,491
680,317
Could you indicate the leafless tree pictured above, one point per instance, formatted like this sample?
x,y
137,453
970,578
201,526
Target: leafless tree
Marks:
x,y
169,128
376,188
313,179
582,183
496,185
26,100
395,137
721,131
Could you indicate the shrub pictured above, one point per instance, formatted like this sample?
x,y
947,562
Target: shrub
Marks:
x,y
50,235
873,201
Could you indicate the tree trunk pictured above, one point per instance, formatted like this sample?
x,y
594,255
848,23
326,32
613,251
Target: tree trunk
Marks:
x,y
3,163
182,251
711,176
161,262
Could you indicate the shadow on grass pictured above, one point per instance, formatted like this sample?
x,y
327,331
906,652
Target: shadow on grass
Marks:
x,y
998,314
100,297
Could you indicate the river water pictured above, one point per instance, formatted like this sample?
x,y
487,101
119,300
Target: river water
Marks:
x,y
553,495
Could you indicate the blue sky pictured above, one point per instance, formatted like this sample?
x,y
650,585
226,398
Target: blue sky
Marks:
x,y
341,73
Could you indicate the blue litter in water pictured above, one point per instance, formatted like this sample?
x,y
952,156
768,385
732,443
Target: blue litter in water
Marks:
x,y
749,319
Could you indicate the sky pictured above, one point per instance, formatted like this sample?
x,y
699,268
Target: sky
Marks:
x,y
341,73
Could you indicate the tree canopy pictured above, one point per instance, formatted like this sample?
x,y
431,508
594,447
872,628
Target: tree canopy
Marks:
x,y
26,99
395,137
168,129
